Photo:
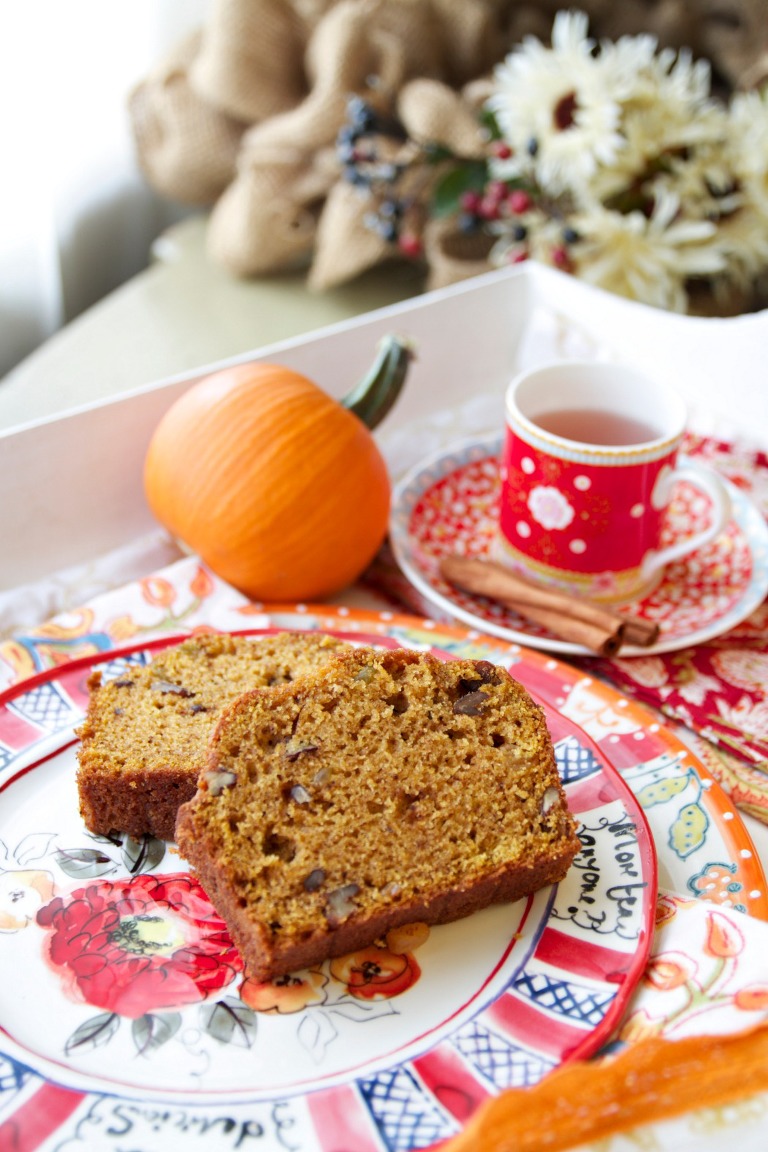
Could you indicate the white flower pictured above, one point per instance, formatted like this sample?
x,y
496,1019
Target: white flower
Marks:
x,y
555,107
640,181
627,63
743,230
680,82
702,180
646,258
669,143
549,507
742,237
748,141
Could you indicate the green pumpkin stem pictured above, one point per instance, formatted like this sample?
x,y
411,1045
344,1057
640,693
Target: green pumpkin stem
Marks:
x,y
374,396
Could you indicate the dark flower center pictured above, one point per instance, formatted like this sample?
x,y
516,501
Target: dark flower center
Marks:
x,y
565,111
287,981
146,936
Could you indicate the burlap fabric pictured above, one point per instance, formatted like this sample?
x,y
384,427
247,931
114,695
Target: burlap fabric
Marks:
x,y
186,145
243,117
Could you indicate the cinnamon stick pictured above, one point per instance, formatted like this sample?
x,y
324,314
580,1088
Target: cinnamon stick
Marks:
x,y
599,640
641,633
598,627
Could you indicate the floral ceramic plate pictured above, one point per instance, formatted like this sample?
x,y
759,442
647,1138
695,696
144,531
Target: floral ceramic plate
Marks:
x,y
127,1020
382,1052
449,505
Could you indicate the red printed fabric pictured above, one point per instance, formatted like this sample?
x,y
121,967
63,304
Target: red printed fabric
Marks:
x,y
718,689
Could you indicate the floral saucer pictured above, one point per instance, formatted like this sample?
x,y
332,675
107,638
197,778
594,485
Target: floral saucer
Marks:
x,y
448,505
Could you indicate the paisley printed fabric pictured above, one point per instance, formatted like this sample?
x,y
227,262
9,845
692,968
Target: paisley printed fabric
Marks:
x,y
718,692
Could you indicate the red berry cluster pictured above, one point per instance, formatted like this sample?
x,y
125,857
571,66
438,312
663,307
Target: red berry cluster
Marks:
x,y
496,201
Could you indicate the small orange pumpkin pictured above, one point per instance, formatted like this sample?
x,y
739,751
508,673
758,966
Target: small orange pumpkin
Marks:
x,y
278,487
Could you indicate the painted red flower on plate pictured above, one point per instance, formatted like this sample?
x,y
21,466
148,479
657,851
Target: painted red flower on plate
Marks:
x,y
139,945
376,973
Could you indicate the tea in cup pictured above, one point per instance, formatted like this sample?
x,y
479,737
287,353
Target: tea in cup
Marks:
x,y
589,467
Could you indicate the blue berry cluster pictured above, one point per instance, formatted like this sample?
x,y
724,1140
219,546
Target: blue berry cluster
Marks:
x,y
367,146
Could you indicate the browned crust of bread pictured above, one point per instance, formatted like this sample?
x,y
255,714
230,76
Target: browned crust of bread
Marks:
x,y
139,806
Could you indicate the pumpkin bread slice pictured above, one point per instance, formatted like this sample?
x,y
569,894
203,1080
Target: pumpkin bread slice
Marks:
x,y
388,788
144,739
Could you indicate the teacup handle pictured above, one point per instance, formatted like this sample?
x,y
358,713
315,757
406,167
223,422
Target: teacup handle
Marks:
x,y
710,483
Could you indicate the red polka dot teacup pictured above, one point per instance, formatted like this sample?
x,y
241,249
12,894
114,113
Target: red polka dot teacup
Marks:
x,y
588,470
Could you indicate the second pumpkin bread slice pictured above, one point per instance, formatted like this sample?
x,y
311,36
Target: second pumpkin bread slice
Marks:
x,y
145,736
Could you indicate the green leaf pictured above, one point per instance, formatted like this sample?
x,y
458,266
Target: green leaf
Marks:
x,y
437,153
150,1031
488,120
84,863
142,855
471,176
230,1022
94,1033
